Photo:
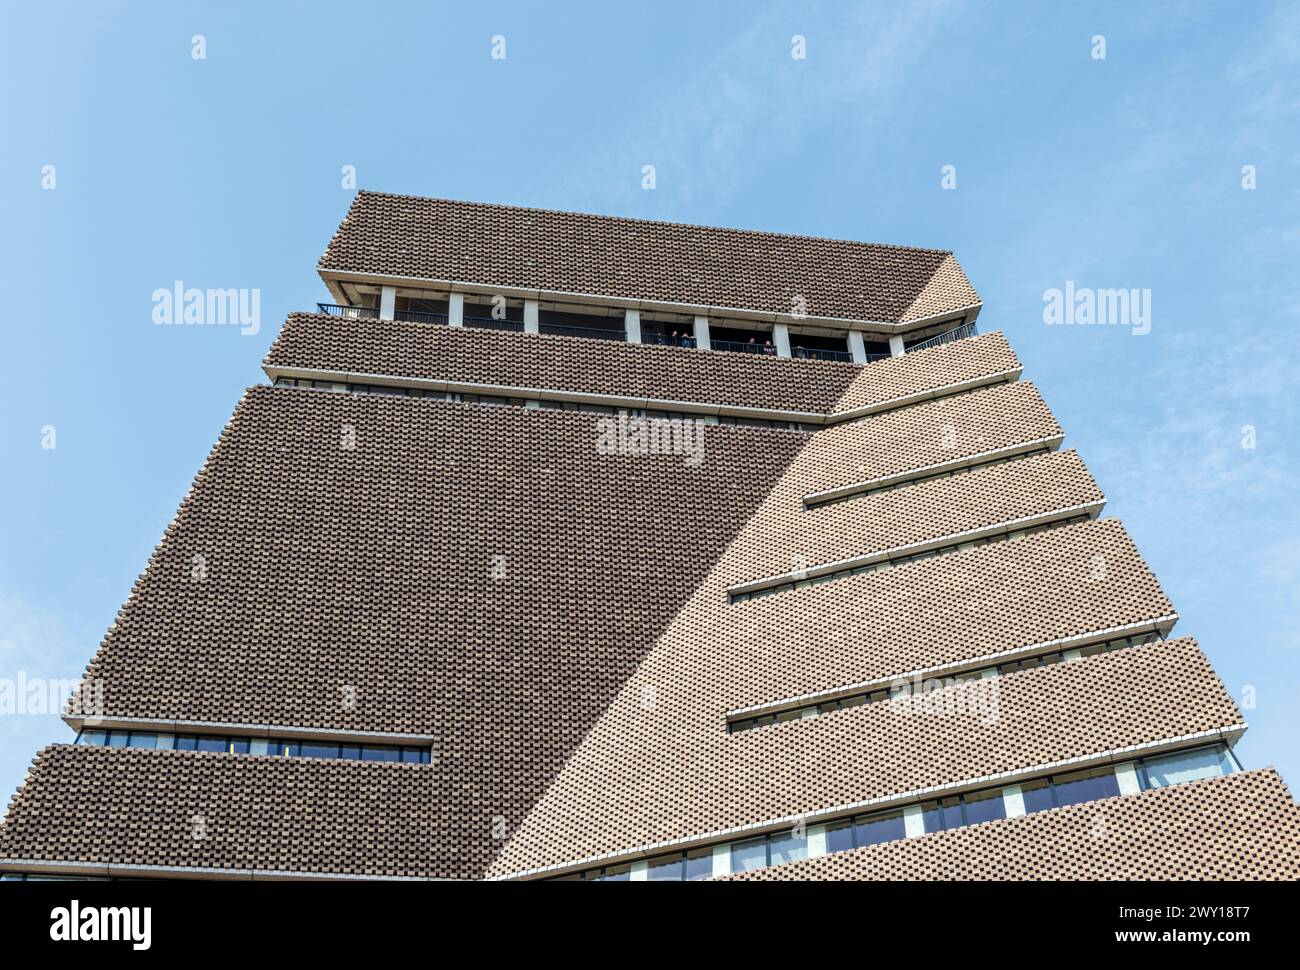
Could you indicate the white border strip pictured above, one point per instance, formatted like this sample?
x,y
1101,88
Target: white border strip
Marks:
x,y
953,538
1229,735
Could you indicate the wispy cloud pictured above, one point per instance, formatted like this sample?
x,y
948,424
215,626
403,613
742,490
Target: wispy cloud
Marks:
x,y
753,99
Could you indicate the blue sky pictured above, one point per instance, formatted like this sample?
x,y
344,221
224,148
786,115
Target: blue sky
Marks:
x,y
225,172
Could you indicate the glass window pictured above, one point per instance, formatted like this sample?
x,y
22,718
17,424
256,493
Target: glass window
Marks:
x,y
186,742
211,744
375,753
941,815
143,739
238,746
1184,766
411,756
290,748
667,869
318,749
621,873
882,827
1037,795
1085,786
118,739
786,847
166,742
746,856
92,737
839,835
984,806
698,864
352,751
263,746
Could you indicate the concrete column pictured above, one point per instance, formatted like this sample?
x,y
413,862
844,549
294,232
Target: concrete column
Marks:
x,y
781,337
387,302
913,821
1013,801
632,326
456,310
896,345
721,860
530,317
702,333
1127,776
857,347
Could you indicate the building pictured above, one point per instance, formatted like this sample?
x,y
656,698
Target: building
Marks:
x,y
566,546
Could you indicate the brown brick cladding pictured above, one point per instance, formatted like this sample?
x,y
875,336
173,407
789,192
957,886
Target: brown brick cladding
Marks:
x,y
643,777
221,811
806,538
372,569
1244,826
424,351
635,259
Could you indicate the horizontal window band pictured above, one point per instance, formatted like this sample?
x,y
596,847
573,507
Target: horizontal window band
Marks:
x,y
618,400
1032,795
148,740
471,288
903,686
928,549
244,729
968,463
121,870
1229,734
1162,626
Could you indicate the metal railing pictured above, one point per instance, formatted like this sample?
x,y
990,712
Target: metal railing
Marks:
x,y
665,340
420,316
735,346
350,312
957,333
564,330
489,323
818,353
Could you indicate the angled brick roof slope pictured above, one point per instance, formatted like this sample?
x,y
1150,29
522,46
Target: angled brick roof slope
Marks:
x,y
636,259
1244,826
646,777
481,575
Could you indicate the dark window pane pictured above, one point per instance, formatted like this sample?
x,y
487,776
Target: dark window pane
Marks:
x,y
1037,796
118,739
143,739
665,870
318,749
93,737
885,827
290,748
352,751
932,815
699,864
984,806
1086,786
239,745
186,742
1184,766
616,874
839,836
372,753
746,856
411,756
212,744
